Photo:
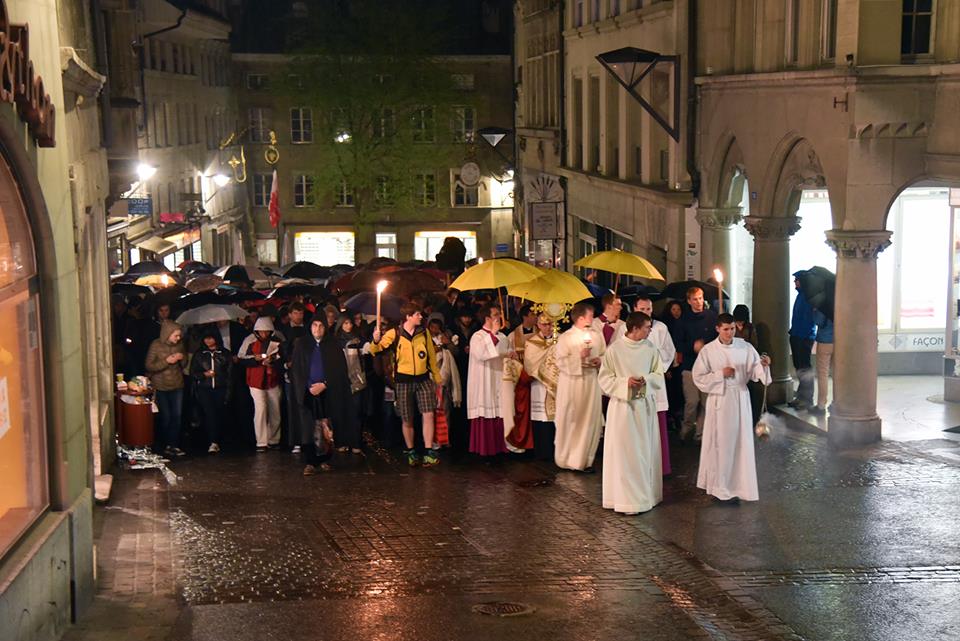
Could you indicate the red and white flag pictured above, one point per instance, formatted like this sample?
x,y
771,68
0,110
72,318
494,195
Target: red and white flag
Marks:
x,y
275,201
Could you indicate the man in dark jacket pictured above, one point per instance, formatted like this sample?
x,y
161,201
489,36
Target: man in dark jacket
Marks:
x,y
698,326
292,331
321,387
211,368
803,331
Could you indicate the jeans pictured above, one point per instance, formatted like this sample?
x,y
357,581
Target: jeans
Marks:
x,y
800,353
170,405
694,406
212,404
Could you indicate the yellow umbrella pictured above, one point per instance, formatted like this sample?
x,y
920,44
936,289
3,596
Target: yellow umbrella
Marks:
x,y
491,274
554,286
156,280
620,262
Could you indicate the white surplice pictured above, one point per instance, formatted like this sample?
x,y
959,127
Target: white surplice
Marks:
x,y
619,328
485,374
727,465
632,470
660,337
579,417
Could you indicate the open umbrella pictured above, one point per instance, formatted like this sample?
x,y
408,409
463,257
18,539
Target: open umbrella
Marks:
x,y
554,286
146,267
233,295
678,290
129,289
597,291
818,285
495,273
169,295
366,303
636,289
405,282
212,314
241,274
204,282
306,269
298,289
195,266
620,262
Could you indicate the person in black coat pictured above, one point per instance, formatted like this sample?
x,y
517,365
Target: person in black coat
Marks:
x,y
211,367
321,387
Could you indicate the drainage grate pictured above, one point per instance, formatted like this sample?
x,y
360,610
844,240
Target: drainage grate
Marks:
x,y
503,609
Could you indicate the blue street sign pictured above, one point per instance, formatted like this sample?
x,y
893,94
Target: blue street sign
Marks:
x,y
139,206
503,247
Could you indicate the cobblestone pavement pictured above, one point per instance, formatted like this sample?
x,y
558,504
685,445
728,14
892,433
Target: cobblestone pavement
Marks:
x,y
853,545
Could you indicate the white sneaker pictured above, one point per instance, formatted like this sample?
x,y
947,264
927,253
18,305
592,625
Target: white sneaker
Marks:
x,y
213,449
295,450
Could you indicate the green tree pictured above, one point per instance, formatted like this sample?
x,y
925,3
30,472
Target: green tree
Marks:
x,y
383,103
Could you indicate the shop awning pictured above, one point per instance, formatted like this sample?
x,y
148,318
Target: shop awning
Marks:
x,y
156,245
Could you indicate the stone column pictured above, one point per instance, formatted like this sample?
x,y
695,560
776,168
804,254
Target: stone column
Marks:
x,y
771,296
715,238
853,413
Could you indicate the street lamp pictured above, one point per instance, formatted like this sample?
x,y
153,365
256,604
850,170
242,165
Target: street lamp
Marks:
x,y
145,172
493,136
631,65
221,180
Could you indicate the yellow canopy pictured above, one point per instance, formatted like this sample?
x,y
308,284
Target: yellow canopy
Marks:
x,y
491,274
620,262
554,286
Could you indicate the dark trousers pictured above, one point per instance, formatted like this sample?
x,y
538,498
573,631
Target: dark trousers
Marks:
x,y
800,349
213,413
544,434
170,406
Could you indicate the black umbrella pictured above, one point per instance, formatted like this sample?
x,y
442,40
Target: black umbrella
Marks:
x,y
316,292
191,301
306,269
169,295
129,289
635,290
238,295
145,267
679,289
818,286
366,303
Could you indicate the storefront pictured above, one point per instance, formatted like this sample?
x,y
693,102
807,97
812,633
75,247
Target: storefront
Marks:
x,y
427,244
325,247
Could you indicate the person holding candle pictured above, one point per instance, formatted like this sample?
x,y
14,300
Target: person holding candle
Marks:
x,y
210,368
417,375
579,416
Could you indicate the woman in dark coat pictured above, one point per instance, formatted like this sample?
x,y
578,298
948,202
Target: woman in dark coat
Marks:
x,y
329,379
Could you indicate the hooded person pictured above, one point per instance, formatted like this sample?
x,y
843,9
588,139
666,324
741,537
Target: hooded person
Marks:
x,y
210,367
260,355
164,364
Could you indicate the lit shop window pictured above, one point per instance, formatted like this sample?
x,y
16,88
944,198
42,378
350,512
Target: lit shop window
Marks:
x,y
325,247
427,244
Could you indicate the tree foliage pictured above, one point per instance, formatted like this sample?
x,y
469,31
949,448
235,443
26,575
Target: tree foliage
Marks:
x,y
383,103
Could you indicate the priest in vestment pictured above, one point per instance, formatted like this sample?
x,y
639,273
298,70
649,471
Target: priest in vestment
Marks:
x,y
728,469
516,386
540,364
609,323
488,347
631,374
660,337
579,417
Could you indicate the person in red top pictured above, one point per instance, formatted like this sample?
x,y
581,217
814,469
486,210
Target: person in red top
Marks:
x,y
260,353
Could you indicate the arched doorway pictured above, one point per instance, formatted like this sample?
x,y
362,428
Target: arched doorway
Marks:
x,y
24,481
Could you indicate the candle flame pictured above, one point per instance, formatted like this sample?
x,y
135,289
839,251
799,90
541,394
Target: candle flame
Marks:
x,y
382,285
718,275
165,280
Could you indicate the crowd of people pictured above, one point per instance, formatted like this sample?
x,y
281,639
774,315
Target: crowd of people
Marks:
x,y
458,372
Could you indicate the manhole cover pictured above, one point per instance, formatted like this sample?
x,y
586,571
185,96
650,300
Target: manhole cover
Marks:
x,y
503,609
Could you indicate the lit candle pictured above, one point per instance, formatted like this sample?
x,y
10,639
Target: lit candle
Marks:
x,y
382,285
718,276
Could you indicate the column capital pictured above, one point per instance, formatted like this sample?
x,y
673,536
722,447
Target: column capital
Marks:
x,y
863,245
719,218
769,228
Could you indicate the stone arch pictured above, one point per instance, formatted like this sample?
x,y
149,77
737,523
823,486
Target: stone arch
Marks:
x,y
795,166
912,182
726,168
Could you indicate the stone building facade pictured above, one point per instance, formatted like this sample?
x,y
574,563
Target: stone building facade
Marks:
x,y
322,227
172,115
853,97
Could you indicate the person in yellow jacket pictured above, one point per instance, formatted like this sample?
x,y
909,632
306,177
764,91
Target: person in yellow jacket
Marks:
x,y
417,377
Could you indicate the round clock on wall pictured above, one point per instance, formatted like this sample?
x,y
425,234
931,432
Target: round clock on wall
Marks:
x,y
470,174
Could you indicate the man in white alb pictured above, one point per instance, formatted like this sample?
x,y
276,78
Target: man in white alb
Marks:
x,y
660,337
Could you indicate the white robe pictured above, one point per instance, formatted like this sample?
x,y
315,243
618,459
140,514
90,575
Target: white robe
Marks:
x,y
484,374
727,465
660,337
579,417
632,466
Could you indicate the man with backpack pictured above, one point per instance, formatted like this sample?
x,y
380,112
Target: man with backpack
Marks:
x,y
417,376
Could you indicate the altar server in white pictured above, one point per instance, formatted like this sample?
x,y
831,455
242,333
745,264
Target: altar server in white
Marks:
x,y
631,373
728,469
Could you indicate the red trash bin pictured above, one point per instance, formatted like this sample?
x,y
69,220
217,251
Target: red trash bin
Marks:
x,y
135,427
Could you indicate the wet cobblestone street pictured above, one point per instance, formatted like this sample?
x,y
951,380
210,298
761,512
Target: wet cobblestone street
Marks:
x,y
852,545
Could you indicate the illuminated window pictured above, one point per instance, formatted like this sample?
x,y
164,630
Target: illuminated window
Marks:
x,y
324,247
426,244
